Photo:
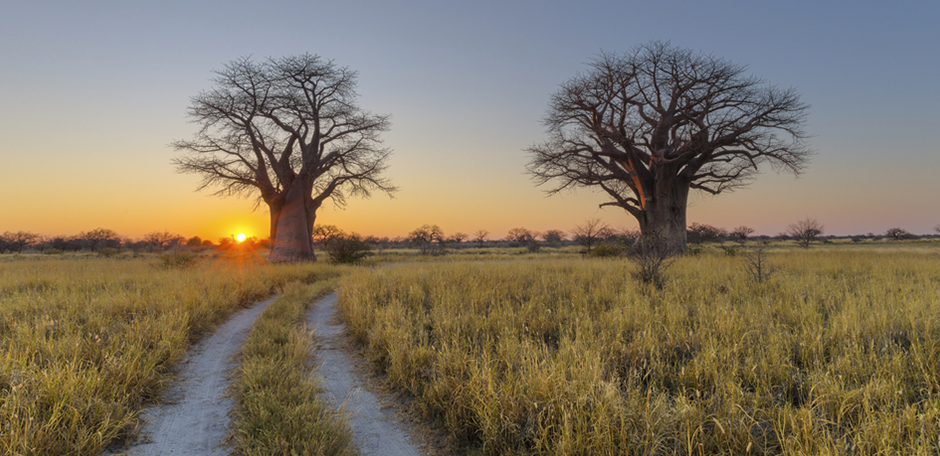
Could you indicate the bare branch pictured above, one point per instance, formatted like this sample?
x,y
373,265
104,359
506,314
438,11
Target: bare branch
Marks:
x,y
266,124
663,111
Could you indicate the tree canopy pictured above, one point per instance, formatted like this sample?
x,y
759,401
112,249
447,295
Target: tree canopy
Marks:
x,y
289,131
648,126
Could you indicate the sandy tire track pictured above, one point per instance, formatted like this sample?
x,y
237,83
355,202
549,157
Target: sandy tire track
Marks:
x,y
194,416
376,429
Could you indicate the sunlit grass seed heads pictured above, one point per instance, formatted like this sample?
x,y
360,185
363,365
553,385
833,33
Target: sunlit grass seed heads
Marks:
x,y
836,353
86,341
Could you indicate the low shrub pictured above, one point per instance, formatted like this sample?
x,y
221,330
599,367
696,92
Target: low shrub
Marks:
x,y
607,250
178,260
108,252
347,249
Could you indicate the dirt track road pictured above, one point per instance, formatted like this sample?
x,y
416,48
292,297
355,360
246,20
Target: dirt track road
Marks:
x,y
376,430
193,420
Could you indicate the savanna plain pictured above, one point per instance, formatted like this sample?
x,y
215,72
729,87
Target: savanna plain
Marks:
x,y
837,351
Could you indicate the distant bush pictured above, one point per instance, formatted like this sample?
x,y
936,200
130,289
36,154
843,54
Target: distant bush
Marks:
x,y
178,260
52,252
553,237
108,252
347,248
897,234
607,250
699,233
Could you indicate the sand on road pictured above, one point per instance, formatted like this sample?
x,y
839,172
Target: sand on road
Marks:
x,y
376,428
193,418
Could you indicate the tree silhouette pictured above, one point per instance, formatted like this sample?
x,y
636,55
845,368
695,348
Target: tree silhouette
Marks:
x,y
289,131
898,234
480,237
425,236
805,231
648,126
592,232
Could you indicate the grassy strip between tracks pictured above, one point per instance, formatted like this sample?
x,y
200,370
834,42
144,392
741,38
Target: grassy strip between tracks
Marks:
x,y
278,411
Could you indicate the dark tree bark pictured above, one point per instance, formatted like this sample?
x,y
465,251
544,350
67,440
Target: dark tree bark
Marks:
x,y
650,126
289,131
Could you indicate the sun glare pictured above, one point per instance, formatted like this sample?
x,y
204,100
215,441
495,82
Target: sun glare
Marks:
x,y
240,237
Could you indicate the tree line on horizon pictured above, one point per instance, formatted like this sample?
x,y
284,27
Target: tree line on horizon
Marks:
x,y
427,238
103,240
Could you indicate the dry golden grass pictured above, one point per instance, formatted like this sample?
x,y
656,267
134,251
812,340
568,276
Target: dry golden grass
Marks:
x,y
837,353
85,341
279,411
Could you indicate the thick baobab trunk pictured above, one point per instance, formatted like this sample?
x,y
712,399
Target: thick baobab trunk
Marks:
x,y
663,217
291,237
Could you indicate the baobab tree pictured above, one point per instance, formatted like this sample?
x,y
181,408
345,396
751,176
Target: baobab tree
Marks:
x,y
648,126
289,131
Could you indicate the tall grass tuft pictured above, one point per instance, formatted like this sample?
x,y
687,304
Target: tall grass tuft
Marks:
x,y
86,341
837,353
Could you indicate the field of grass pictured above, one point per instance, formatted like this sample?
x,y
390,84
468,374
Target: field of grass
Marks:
x,y
85,340
837,353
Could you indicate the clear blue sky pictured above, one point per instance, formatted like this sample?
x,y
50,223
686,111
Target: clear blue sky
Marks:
x,y
92,93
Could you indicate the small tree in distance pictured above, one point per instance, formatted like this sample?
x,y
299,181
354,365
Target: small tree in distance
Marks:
x,y
524,237
590,233
699,233
480,237
805,231
323,233
425,236
100,238
897,234
741,233
553,237
521,235
159,241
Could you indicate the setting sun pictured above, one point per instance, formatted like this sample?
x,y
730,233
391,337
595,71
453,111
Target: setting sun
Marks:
x,y
240,237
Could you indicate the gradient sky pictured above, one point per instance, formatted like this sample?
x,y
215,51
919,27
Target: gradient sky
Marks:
x,y
92,93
